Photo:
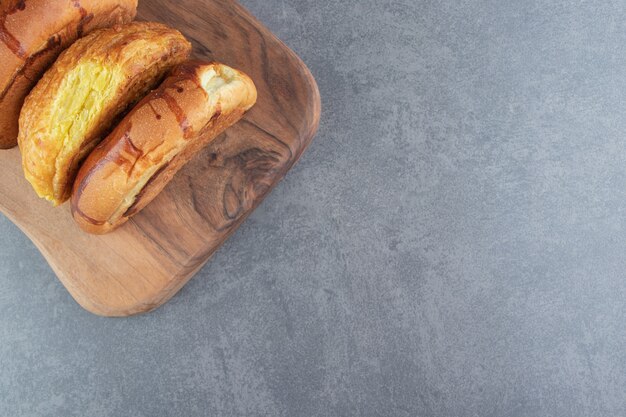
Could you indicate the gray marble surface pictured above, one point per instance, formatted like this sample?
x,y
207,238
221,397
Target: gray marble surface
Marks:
x,y
452,244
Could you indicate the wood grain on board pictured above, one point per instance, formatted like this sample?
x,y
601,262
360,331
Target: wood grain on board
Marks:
x,y
141,265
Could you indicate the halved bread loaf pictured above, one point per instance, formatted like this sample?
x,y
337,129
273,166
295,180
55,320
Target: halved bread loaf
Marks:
x,y
155,140
33,33
73,106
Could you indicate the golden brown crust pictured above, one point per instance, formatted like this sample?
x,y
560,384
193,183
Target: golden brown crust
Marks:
x,y
74,104
33,33
164,131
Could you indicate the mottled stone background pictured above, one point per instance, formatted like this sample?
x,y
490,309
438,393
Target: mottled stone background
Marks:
x,y
452,244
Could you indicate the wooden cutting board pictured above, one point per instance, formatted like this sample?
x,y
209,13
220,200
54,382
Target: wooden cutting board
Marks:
x,y
143,264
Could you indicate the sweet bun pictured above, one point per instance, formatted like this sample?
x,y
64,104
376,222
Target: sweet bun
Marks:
x,y
33,33
155,140
73,106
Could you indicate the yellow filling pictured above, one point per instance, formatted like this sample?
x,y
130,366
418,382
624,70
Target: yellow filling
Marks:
x,y
83,93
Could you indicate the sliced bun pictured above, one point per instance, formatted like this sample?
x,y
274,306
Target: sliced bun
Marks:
x,y
155,140
33,33
73,106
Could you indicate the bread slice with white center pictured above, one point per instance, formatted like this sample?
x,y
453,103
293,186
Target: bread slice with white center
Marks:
x,y
155,140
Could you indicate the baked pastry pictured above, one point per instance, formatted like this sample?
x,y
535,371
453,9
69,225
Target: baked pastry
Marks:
x,y
73,106
33,33
155,140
